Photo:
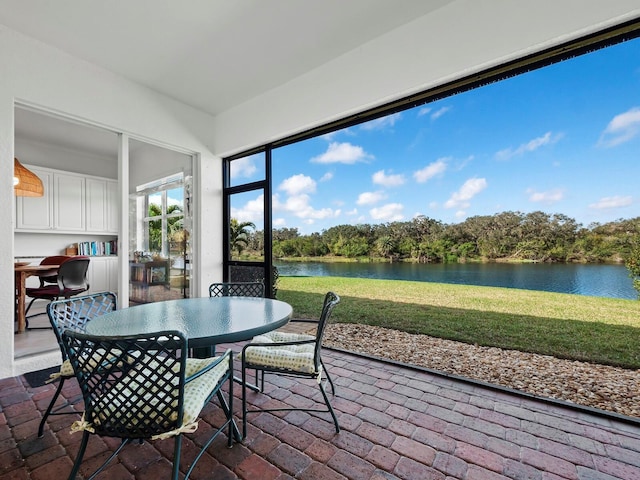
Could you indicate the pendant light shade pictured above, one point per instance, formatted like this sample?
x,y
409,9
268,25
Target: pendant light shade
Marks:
x,y
25,182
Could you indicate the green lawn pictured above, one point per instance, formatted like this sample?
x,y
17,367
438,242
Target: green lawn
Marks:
x,y
599,330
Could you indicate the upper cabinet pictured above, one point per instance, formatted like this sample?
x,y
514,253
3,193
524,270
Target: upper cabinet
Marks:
x,y
102,212
36,213
113,215
71,203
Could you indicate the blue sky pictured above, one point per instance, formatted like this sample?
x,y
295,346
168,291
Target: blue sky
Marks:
x,y
562,139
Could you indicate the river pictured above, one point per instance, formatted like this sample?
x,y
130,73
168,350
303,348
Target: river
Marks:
x,y
597,280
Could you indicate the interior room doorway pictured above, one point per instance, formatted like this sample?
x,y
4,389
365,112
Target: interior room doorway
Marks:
x,y
160,224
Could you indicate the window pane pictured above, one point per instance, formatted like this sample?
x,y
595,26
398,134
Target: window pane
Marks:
x,y
154,234
248,169
155,205
246,240
175,200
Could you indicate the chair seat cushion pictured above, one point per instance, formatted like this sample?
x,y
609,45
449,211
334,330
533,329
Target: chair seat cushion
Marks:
x,y
53,292
158,404
50,291
297,358
66,369
198,390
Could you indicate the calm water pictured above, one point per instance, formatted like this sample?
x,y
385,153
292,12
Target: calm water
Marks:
x,y
594,280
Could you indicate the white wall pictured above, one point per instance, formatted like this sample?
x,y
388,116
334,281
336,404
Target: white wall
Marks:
x,y
34,74
150,162
452,42
52,156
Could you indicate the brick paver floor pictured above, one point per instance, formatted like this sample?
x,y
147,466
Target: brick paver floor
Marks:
x,y
397,423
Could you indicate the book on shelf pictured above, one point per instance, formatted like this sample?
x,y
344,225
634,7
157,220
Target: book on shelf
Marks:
x,y
98,248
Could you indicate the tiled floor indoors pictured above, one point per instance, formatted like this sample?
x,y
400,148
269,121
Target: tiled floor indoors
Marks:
x,y
397,423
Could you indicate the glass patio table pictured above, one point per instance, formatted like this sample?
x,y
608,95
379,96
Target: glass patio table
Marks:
x,y
205,321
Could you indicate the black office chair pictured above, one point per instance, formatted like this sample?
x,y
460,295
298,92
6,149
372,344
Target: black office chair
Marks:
x,y
72,314
144,388
289,354
47,277
71,281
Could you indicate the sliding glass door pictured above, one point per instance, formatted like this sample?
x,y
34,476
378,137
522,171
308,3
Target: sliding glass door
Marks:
x,y
160,224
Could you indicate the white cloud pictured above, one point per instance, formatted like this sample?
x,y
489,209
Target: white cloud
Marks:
x,y
244,167
342,153
326,177
369,198
351,213
530,146
461,164
612,202
174,201
469,189
621,128
381,178
440,112
279,222
252,211
430,171
461,214
382,123
549,197
300,206
298,184
424,111
392,212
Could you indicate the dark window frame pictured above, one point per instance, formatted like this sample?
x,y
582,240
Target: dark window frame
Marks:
x,y
228,191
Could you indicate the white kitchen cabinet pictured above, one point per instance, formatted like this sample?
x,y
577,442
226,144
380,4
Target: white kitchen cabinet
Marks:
x,y
96,207
113,215
103,274
69,202
36,213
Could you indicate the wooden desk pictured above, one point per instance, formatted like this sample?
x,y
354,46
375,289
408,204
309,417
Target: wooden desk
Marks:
x,y
22,273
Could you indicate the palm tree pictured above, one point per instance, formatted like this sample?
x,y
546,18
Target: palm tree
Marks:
x,y
385,246
239,235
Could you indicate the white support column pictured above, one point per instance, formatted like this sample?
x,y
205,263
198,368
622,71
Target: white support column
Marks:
x,y
123,227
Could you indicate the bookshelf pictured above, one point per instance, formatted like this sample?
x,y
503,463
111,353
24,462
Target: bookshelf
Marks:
x,y
144,275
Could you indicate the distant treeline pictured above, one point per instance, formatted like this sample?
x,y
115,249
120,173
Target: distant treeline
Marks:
x,y
535,236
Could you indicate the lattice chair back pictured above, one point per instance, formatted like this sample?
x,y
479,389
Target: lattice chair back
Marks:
x,y
330,301
236,289
133,387
74,313
292,354
145,387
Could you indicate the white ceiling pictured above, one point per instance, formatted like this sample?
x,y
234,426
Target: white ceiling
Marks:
x,y
218,54
211,54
